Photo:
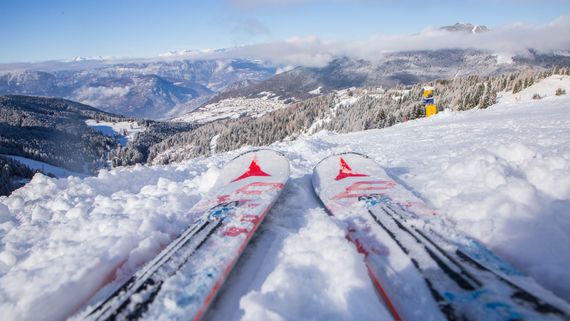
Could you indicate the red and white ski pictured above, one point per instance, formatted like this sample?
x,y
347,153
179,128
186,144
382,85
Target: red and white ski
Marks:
x,y
181,282
422,267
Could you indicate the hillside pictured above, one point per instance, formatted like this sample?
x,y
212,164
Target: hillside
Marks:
x,y
153,89
53,131
341,111
172,86
389,70
500,174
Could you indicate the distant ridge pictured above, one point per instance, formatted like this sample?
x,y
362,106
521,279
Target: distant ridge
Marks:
x,y
466,27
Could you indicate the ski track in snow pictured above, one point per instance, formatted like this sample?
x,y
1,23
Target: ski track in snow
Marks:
x,y
501,175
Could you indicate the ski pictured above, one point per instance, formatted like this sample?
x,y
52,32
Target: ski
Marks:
x,y
421,266
182,280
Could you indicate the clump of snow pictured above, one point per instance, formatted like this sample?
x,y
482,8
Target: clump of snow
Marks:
x,y
5,215
208,179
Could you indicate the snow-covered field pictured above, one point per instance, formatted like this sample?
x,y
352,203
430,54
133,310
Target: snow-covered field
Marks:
x,y
125,130
44,167
502,175
232,108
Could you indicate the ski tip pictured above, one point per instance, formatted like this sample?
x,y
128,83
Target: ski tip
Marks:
x,y
340,155
259,149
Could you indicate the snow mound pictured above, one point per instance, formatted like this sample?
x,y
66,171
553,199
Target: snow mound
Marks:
x,y
64,238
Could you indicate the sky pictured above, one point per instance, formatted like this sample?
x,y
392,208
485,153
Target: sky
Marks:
x,y
38,30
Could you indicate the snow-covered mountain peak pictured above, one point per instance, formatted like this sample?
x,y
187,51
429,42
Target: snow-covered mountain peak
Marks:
x,y
465,27
190,53
80,59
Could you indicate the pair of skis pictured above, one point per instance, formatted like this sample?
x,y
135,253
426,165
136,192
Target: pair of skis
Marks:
x,y
422,268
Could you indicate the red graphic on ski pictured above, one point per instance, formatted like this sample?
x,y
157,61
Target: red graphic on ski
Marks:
x,y
253,170
345,171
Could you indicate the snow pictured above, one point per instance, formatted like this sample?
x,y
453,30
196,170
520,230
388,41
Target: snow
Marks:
x,y
346,98
233,108
214,143
281,70
504,58
316,91
329,257
116,129
501,175
44,167
545,88
265,95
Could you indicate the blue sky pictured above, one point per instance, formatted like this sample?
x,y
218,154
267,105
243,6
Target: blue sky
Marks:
x,y
43,30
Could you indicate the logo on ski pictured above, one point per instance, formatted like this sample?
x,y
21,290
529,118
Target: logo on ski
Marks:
x,y
364,189
345,171
253,170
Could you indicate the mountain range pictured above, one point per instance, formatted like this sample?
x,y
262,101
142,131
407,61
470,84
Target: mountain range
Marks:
x,y
388,71
148,89
177,83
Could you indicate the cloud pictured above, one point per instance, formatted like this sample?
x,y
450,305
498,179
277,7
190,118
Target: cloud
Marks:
x,y
307,51
515,38
314,51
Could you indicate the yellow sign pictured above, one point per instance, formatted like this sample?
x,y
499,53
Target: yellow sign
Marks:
x,y
431,109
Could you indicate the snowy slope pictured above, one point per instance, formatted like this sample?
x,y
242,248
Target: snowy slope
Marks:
x,y
44,167
545,89
501,175
124,130
232,108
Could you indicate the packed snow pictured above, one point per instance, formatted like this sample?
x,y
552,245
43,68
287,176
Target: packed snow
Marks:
x,y
501,175
123,130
